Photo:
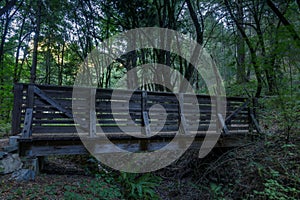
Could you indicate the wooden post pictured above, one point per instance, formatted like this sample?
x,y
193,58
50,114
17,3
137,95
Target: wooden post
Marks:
x,y
16,113
182,121
255,105
249,110
145,119
93,116
30,96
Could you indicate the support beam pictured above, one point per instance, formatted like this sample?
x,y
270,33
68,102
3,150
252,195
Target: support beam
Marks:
x,y
256,125
52,102
223,125
234,114
26,132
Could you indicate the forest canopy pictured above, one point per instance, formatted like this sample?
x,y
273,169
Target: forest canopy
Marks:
x,y
254,43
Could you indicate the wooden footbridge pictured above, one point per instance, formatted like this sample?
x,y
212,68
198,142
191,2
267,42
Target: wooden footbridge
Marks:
x,y
42,116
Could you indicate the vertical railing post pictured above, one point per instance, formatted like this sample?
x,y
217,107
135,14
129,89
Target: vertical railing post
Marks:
x,y
250,111
255,105
181,118
27,129
92,112
220,119
145,121
30,96
145,118
17,108
253,115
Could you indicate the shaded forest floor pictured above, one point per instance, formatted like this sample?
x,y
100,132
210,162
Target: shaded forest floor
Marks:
x,y
266,169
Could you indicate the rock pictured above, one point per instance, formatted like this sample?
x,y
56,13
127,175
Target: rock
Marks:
x,y
2,154
10,149
23,175
10,163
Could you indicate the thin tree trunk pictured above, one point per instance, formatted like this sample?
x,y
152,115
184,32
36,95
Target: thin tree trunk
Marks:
x,y
36,43
20,40
251,49
285,22
60,77
8,6
199,27
240,46
3,37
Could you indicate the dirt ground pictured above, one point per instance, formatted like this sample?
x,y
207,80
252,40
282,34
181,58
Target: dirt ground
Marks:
x,y
241,173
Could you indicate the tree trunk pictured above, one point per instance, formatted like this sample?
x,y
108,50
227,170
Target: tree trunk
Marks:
x,y
20,40
285,22
240,46
3,37
36,43
8,6
252,51
199,27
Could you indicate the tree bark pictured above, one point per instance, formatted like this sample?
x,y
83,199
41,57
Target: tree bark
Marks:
x,y
199,27
36,43
8,6
285,22
251,49
240,46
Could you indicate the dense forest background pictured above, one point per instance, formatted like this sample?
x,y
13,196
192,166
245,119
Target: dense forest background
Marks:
x,y
254,43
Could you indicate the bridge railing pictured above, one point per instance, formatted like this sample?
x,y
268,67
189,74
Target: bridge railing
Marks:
x,y
47,110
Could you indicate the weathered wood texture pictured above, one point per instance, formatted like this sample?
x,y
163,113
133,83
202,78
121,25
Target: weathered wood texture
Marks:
x,y
132,111
52,110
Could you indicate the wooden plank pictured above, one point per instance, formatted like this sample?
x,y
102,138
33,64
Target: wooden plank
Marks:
x,y
54,129
234,114
58,94
50,115
53,121
44,96
26,132
57,150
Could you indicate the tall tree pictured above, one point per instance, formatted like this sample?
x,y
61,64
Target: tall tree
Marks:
x,y
37,30
240,45
253,55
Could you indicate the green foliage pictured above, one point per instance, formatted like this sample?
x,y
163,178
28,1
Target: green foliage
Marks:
x,y
102,187
284,112
5,128
106,186
274,189
216,190
6,103
241,90
137,186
